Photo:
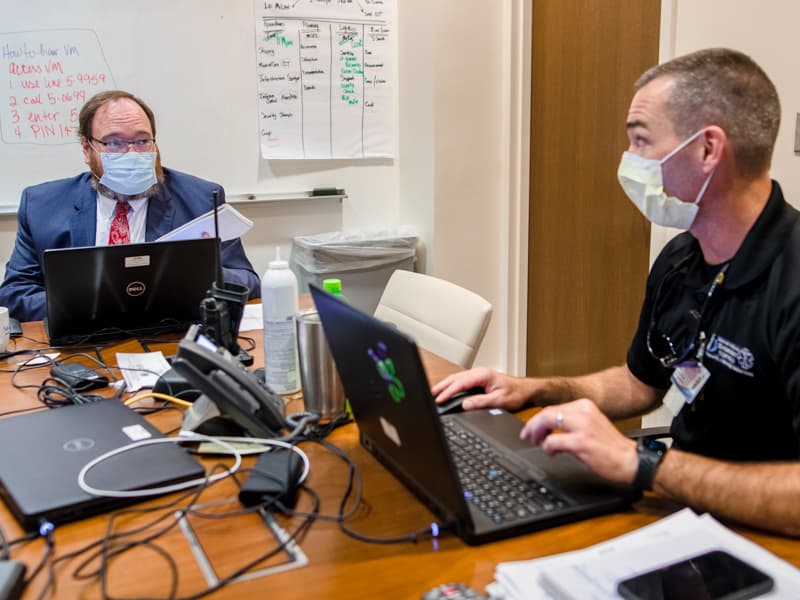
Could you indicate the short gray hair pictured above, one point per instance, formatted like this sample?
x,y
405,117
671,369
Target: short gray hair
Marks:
x,y
723,87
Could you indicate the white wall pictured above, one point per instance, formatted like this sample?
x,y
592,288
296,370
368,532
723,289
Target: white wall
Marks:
x,y
460,173
481,154
764,30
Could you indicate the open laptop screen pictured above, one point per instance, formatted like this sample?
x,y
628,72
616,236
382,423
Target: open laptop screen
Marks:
x,y
106,292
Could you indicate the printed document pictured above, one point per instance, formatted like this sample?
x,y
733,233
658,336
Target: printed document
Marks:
x,y
593,573
232,225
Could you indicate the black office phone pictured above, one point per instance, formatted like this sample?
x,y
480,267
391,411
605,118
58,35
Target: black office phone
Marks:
x,y
237,393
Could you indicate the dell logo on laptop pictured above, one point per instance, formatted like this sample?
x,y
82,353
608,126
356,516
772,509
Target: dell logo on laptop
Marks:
x,y
79,445
135,288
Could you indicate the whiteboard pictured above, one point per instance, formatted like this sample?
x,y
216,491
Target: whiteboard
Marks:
x,y
192,62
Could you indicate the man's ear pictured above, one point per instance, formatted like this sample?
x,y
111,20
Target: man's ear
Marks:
x,y
715,141
86,149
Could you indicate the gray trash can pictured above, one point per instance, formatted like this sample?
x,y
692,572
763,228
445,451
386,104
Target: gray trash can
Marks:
x,y
363,260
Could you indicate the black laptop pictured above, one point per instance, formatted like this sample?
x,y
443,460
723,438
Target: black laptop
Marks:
x,y
470,468
96,293
42,453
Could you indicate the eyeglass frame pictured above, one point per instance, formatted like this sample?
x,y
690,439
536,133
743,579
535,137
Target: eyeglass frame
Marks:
x,y
694,318
128,144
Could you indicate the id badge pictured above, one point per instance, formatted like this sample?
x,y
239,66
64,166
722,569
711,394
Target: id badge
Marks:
x,y
688,380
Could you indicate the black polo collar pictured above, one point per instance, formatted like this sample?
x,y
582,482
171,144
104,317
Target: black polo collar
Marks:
x,y
759,249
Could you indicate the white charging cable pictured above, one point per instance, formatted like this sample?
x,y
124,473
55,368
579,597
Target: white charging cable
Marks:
x,y
266,442
223,442
164,489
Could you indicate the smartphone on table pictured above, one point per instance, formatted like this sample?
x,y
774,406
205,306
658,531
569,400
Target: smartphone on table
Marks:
x,y
715,575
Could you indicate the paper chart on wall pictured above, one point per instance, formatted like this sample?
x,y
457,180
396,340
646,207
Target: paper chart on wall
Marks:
x,y
325,75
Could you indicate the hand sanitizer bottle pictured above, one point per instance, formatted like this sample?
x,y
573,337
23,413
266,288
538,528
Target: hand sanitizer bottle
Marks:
x,y
280,306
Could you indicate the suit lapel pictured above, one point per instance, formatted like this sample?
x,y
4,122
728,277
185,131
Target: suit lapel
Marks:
x,y
160,215
83,221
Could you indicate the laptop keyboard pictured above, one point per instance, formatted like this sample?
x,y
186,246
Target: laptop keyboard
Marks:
x,y
498,493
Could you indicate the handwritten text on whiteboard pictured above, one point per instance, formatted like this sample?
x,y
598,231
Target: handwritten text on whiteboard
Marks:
x,y
45,78
325,78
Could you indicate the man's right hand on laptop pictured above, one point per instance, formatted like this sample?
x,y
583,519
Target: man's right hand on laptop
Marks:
x,y
500,390
579,428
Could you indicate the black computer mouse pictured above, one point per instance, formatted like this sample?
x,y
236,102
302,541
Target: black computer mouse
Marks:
x,y
453,404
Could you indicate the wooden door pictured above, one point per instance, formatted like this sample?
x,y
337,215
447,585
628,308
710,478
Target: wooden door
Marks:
x,y
588,245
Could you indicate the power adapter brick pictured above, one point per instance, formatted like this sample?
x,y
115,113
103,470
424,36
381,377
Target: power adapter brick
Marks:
x,y
275,477
78,376
12,579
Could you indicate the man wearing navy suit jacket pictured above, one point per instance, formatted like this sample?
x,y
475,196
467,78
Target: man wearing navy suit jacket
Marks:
x,y
117,132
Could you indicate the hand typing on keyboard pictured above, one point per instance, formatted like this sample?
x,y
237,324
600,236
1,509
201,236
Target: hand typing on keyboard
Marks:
x,y
580,428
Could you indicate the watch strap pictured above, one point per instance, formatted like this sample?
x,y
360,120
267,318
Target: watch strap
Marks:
x,y
650,456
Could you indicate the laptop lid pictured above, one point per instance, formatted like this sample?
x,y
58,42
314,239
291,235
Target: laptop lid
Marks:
x,y
42,453
105,292
388,390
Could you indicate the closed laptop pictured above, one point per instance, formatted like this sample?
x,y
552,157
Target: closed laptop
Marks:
x,y
42,453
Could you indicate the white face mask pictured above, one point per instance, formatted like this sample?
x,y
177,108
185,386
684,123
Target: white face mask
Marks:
x,y
128,173
643,182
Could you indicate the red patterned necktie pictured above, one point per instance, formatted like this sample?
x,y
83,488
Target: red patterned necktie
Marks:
x,y
120,233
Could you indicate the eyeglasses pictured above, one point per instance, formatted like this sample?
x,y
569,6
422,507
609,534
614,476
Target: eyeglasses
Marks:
x,y
660,345
121,146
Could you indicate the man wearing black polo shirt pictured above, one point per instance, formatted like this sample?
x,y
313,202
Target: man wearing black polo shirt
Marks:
x,y
718,340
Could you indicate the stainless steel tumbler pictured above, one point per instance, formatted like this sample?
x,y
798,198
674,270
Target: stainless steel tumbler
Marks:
x,y
322,389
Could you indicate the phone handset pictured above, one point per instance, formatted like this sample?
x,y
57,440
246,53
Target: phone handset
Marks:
x,y
236,392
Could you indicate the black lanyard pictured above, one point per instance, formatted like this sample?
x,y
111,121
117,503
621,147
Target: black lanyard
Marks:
x,y
694,320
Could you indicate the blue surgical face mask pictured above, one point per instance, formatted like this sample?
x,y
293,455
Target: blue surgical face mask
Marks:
x,y
642,180
128,173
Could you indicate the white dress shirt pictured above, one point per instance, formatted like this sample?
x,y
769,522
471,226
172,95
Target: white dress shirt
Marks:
x,y
137,219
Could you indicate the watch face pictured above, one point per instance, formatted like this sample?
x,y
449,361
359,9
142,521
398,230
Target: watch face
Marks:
x,y
655,445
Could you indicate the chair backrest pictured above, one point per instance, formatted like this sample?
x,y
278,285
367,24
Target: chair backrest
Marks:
x,y
442,317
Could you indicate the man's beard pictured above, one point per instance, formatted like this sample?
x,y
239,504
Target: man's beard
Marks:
x,y
109,193
95,166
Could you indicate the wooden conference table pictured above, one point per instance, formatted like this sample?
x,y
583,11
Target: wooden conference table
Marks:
x,y
338,566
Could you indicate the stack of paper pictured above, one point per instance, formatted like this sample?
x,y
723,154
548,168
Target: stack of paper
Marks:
x,y
232,224
593,573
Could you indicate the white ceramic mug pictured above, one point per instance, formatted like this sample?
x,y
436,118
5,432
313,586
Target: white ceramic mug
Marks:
x,y
3,329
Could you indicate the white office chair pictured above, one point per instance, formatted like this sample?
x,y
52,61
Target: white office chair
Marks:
x,y
442,317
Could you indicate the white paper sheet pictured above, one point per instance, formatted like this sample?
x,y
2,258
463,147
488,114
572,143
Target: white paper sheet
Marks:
x,y
232,224
252,318
141,369
593,573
